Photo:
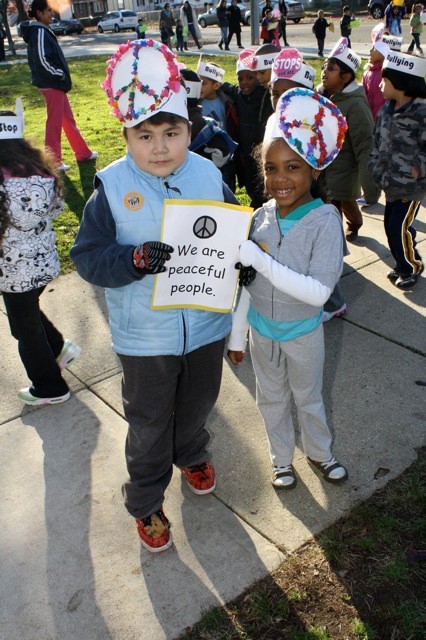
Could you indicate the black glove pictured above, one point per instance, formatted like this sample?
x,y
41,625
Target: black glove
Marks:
x,y
247,275
150,257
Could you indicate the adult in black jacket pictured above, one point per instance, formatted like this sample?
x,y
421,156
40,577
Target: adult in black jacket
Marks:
x,y
222,18
50,74
167,15
235,20
283,21
268,6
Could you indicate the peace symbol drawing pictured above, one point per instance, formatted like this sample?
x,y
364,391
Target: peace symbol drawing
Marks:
x,y
204,227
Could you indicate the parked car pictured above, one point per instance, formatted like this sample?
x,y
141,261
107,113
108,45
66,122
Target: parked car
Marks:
x,y
118,21
210,17
59,27
377,7
65,27
295,11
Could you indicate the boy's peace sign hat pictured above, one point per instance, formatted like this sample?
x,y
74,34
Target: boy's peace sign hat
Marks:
x,y
143,79
342,52
405,63
289,65
311,125
12,127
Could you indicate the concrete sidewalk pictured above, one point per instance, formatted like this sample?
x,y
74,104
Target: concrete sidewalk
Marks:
x,y
72,565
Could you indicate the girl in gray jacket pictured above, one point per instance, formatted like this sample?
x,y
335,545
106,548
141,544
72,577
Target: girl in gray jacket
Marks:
x,y
296,247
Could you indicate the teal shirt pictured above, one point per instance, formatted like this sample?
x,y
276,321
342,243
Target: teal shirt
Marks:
x,y
283,331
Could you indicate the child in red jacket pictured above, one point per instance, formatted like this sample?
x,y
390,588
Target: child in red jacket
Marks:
x,y
372,77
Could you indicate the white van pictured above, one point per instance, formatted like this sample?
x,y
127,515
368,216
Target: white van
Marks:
x,y
118,21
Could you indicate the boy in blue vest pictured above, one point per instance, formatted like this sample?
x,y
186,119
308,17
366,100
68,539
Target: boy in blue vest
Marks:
x,y
171,359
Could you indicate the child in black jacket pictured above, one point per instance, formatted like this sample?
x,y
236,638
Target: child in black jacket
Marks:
x,y
320,29
345,24
253,106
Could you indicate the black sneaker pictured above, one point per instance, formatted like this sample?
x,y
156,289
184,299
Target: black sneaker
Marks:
x,y
332,471
393,275
408,281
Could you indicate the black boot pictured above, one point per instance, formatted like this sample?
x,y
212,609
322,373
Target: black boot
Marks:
x,y
220,45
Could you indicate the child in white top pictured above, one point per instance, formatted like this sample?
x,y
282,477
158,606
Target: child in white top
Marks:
x,y
30,198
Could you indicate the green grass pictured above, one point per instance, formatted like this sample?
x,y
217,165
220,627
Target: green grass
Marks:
x,y
354,582
101,130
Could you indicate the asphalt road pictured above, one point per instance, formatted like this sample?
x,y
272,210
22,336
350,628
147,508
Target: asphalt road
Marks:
x,y
298,35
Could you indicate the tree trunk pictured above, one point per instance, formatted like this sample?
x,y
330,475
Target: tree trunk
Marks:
x,y
3,13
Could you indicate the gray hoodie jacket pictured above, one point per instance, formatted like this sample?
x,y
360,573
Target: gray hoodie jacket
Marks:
x,y
314,247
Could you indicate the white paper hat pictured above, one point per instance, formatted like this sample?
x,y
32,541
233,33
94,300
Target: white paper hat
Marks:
x,y
12,127
311,125
192,84
142,80
246,60
377,32
394,42
289,65
210,71
342,52
265,59
382,48
405,63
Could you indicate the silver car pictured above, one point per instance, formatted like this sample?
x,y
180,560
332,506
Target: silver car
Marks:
x,y
295,10
209,18
118,21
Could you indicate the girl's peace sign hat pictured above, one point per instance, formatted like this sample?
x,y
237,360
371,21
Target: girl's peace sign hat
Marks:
x,y
12,127
143,79
289,65
342,52
311,125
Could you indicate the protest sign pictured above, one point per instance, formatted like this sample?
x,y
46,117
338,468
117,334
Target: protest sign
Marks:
x,y
205,236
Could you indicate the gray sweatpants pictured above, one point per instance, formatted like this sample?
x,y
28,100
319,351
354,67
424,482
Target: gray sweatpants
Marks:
x,y
166,400
285,368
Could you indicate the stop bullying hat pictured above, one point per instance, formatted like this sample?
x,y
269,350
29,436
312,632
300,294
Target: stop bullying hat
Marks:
x,y
405,63
192,84
211,71
142,80
265,56
289,65
12,127
384,43
394,42
342,52
246,60
311,125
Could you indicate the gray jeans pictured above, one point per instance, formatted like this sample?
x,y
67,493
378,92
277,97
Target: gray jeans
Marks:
x,y
166,400
290,368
